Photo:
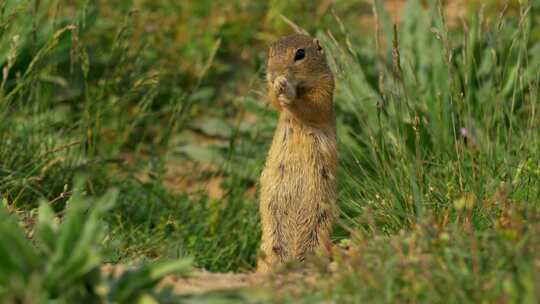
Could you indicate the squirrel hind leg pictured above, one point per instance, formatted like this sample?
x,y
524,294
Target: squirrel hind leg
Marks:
x,y
316,240
271,255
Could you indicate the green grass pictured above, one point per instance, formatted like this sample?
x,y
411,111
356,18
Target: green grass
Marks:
x,y
438,131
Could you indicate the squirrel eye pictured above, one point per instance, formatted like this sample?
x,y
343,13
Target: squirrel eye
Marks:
x,y
300,54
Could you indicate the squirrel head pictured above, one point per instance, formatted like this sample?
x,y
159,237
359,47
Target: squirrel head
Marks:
x,y
300,59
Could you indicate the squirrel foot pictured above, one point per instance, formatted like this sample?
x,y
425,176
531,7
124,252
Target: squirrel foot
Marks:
x,y
285,91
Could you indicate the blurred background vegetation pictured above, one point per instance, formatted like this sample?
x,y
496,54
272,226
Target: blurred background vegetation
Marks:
x,y
165,101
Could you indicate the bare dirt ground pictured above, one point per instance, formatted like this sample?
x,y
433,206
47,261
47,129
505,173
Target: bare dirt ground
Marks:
x,y
197,282
202,282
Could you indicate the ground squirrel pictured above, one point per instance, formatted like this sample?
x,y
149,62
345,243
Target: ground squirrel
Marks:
x,y
298,183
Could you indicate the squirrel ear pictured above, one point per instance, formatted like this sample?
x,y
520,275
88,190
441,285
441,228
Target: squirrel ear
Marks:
x,y
318,44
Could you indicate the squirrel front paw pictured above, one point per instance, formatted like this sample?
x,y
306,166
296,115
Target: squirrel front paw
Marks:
x,y
286,92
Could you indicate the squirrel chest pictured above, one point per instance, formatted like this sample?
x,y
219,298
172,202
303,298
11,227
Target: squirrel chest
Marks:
x,y
300,167
298,189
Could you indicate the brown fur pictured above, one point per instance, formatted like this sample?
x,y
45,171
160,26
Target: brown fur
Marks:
x,y
298,183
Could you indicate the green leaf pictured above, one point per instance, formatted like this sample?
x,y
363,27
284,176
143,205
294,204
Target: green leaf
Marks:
x,y
77,254
46,228
132,283
214,127
201,154
17,256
